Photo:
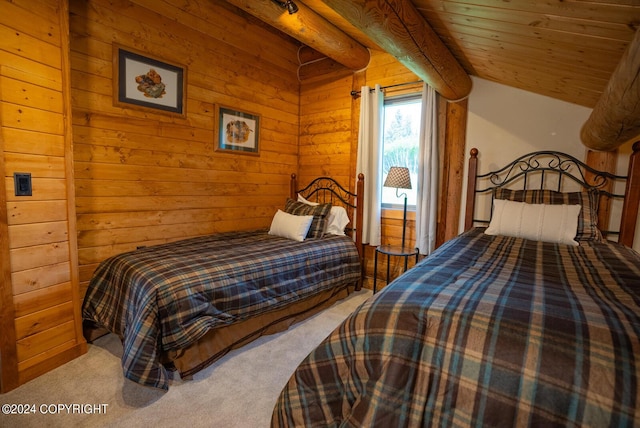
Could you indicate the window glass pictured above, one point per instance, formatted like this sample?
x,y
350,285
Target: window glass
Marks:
x,y
400,145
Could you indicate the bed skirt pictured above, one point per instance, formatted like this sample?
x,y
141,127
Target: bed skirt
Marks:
x,y
219,341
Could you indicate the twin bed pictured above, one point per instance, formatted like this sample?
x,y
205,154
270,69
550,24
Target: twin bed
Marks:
x,y
526,320
183,305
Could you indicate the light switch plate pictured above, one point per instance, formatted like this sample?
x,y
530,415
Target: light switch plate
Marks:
x,y
22,183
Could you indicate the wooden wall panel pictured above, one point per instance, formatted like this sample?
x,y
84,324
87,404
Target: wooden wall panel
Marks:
x,y
39,230
40,300
43,320
9,378
325,130
144,177
41,277
33,347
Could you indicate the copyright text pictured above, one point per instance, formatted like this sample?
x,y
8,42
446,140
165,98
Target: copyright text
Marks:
x,y
54,409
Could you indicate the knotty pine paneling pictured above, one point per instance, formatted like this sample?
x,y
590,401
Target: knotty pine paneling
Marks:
x,y
40,229
25,235
42,320
31,257
32,346
325,130
144,177
39,300
40,277
36,211
28,141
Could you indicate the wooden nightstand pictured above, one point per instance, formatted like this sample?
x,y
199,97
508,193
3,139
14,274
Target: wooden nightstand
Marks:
x,y
392,250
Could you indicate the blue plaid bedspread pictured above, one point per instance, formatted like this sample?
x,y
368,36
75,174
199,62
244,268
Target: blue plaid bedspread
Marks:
x,y
487,331
166,297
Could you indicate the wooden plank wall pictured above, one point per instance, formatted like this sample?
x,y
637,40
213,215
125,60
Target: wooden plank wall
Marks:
x,y
40,229
144,177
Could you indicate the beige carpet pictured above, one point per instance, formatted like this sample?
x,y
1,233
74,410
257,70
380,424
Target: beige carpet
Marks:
x,y
239,390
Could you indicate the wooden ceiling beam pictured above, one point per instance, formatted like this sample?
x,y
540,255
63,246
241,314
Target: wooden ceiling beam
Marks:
x,y
398,28
321,70
311,29
615,119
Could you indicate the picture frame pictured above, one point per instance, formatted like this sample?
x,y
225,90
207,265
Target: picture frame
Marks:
x,y
237,131
141,82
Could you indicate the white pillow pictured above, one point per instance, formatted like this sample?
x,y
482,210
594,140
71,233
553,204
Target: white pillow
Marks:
x,y
290,226
337,219
540,222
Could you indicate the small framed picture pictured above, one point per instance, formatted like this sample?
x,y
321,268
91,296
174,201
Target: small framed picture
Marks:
x,y
147,83
237,131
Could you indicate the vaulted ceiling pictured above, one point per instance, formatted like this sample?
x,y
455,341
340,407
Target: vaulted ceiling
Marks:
x,y
565,49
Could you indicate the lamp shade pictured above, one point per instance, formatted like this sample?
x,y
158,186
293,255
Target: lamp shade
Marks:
x,y
398,177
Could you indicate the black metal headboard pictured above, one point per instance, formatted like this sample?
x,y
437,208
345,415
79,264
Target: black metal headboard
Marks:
x,y
542,170
327,190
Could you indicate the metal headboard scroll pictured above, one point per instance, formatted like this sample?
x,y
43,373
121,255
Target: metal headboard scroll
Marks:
x,y
322,187
558,163
545,165
328,190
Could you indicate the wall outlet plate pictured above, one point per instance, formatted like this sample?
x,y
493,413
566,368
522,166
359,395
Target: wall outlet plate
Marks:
x,y
22,183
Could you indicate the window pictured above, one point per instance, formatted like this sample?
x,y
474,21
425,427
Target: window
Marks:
x,y
400,144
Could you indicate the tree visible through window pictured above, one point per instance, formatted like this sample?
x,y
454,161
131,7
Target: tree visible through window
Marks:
x,y
400,145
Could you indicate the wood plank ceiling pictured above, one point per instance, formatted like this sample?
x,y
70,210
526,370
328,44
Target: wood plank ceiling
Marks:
x,y
562,49
565,49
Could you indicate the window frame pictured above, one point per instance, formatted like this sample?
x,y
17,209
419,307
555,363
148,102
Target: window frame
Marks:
x,y
390,101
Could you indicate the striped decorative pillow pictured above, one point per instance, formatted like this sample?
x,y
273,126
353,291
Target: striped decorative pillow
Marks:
x,y
319,213
587,220
540,222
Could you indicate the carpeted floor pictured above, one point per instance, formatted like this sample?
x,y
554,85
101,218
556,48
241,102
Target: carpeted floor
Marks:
x,y
239,390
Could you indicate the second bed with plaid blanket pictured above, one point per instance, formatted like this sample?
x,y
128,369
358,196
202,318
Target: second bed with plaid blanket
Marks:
x,y
166,297
487,331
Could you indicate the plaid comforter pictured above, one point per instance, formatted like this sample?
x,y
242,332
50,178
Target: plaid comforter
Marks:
x,y
168,296
487,331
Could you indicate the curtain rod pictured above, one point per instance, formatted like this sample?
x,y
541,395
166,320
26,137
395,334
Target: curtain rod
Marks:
x,y
357,93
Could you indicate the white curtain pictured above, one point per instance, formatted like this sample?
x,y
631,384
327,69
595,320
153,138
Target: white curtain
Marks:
x,y
427,187
369,161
